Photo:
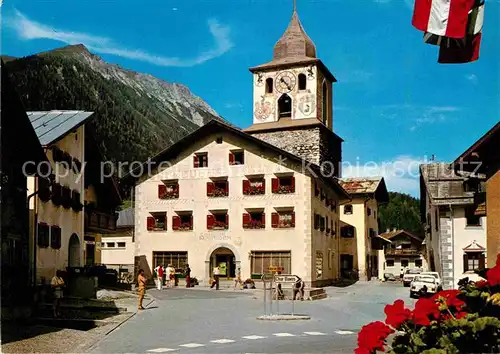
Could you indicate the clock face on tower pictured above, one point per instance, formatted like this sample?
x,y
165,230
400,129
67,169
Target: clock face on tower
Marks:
x,y
285,81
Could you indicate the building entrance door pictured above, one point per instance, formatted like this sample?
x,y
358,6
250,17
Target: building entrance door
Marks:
x,y
224,258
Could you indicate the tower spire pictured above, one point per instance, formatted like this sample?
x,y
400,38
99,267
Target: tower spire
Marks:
x,y
294,5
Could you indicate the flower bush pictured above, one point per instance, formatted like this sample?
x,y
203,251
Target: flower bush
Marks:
x,y
452,321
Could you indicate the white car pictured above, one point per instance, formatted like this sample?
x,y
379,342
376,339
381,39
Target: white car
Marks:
x,y
435,275
426,283
409,275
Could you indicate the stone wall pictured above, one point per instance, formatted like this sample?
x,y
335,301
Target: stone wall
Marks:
x,y
445,241
315,145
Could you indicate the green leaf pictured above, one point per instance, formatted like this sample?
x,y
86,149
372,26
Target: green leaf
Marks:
x,y
415,338
434,351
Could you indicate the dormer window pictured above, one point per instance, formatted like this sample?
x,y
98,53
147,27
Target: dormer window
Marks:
x,y
302,82
269,85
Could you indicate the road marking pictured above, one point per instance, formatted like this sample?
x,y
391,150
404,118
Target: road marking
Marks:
x,y
253,337
284,335
161,350
222,341
344,332
315,333
192,345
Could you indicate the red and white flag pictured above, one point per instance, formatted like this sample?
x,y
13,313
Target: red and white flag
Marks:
x,y
466,49
446,18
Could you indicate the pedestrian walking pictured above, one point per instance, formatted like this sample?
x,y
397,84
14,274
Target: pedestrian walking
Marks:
x,y
58,285
170,275
159,276
216,278
187,272
141,290
298,290
238,280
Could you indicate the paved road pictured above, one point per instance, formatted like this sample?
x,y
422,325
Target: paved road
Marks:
x,y
209,321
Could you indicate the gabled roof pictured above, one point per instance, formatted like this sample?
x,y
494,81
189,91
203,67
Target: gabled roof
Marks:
x,y
366,186
16,131
486,150
443,185
393,233
52,126
215,126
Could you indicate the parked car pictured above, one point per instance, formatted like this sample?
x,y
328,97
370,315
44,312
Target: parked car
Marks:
x,y
438,278
409,275
423,285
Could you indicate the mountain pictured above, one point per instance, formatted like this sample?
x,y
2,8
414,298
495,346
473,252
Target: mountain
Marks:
x,y
402,212
136,115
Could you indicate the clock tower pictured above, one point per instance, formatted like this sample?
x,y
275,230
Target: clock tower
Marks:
x,y
292,100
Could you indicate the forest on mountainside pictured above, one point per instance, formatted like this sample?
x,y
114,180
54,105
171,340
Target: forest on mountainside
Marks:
x,y
402,212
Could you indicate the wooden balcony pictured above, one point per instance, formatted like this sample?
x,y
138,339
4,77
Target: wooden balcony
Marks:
x,y
402,252
96,221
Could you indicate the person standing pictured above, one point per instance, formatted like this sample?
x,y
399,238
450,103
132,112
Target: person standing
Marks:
x,y
159,276
171,275
58,285
187,272
141,280
216,278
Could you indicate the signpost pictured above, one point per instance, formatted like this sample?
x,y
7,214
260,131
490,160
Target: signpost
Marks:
x,y
267,279
287,279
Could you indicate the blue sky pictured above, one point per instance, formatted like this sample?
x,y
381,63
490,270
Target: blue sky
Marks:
x,y
394,105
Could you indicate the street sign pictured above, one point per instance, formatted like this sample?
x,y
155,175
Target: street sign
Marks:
x,y
286,278
267,277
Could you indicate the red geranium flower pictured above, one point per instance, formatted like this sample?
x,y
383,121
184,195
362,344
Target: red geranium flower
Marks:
x,y
493,274
481,284
425,310
372,336
396,314
460,315
450,297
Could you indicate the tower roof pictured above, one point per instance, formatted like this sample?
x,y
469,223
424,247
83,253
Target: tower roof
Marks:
x,y
294,43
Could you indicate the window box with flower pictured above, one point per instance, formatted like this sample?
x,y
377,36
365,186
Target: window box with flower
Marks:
x,y
254,221
283,185
254,187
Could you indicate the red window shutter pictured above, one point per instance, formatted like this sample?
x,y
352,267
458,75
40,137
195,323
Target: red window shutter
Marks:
x,y
176,222
191,222
210,188
151,223
264,185
275,184
293,184
263,220
227,188
246,220
176,189
275,220
227,221
246,186
210,221
231,158
196,161
293,219
162,190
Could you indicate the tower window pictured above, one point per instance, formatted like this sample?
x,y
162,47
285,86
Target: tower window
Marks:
x,y
269,85
324,108
285,106
302,81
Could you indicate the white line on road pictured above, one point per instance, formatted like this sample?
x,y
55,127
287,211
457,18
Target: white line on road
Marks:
x,y
344,332
253,337
161,350
315,333
222,341
284,335
192,345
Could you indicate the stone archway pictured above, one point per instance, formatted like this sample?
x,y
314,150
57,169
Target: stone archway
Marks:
x,y
226,257
74,251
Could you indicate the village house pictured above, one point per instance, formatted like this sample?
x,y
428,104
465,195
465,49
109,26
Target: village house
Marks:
x,y
18,161
361,248
65,232
483,158
404,251
455,223
262,200
117,249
